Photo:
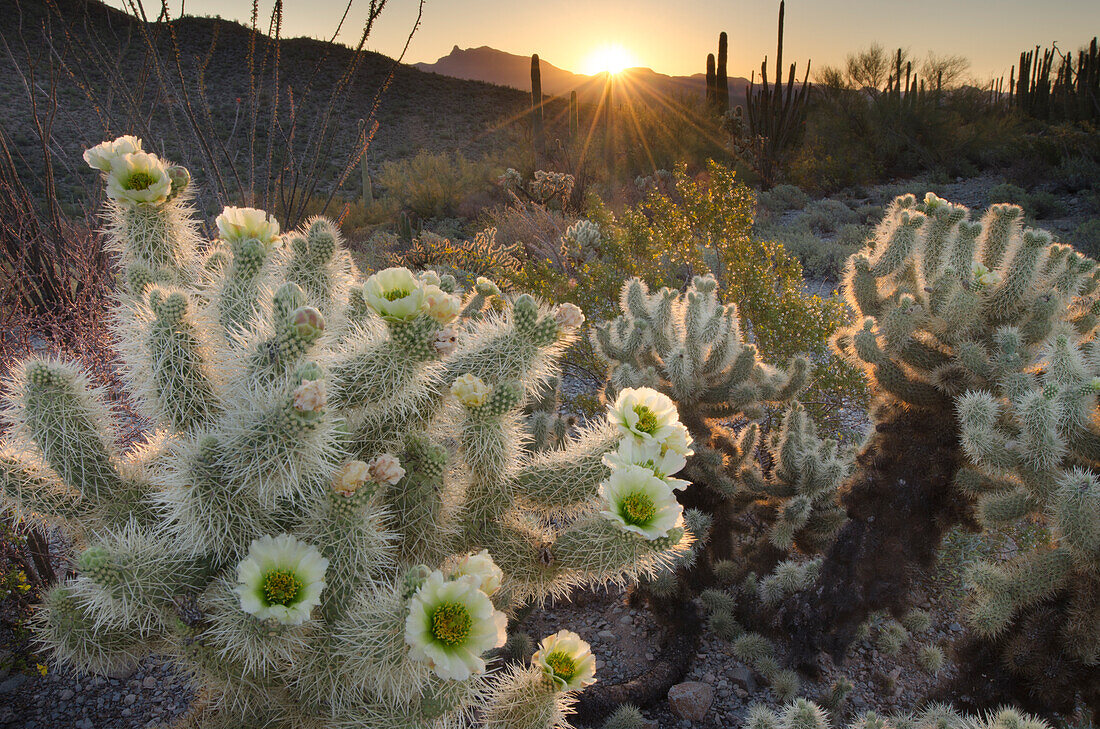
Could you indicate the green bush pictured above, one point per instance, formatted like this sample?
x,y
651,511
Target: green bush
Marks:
x,y
825,217
782,198
1008,193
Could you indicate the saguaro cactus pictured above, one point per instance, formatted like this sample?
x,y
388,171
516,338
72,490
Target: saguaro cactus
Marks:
x,y
721,80
943,305
536,102
335,512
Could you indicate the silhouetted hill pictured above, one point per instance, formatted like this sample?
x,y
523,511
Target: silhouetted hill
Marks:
x,y
508,69
105,48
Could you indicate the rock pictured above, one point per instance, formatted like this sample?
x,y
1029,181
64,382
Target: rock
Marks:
x,y
67,695
149,682
12,683
690,700
626,620
130,698
741,676
606,635
122,672
650,724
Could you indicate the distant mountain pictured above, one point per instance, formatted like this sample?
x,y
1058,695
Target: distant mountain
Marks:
x,y
508,69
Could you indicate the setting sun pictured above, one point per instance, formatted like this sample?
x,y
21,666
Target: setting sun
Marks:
x,y
609,58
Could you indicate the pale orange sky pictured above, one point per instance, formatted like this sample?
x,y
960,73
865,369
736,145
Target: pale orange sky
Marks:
x,y
675,37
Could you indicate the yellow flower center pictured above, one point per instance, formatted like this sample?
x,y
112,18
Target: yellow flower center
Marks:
x,y
281,587
647,420
139,181
395,294
562,664
451,623
638,508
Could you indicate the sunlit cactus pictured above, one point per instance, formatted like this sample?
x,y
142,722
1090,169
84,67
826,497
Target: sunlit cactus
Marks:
x,y
1033,439
337,506
942,304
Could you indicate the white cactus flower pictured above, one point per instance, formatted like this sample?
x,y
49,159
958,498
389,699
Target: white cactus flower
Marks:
x,y
661,460
640,502
281,578
645,414
450,624
481,567
470,390
353,475
138,178
103,155
395,294
983,277
240,223
386,468
442,307
309,396
568,316
566,660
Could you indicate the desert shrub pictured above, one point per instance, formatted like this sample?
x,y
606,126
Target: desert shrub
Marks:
x,y
435,185
1087,238
782,198
820,259
1044,204
858,136
1006,192
528,226
1039,204
1075,174
825,217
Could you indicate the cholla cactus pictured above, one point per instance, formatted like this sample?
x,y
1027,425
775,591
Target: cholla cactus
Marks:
x,y
335,512
689,346
803,714
581,242
1033,439
943,304
548,187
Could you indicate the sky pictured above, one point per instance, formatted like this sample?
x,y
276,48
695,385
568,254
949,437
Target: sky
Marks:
x,y
675,36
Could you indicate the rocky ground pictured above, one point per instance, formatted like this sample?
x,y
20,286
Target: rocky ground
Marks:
x,y
718,689
150,695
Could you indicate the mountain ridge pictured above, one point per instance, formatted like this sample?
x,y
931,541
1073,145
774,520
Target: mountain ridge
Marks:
x,y
491,65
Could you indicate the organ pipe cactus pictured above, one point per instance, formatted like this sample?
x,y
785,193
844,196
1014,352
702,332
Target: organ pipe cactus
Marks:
x,y
943,304
333,512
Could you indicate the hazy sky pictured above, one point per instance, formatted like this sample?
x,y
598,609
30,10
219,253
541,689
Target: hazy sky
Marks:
x,y
674,36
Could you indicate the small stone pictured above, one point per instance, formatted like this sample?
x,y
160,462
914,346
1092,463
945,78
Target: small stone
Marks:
x,y
690,700
606,635
122,672
130,698
626,620
12,683
741,676
67,695
149,682
650,724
